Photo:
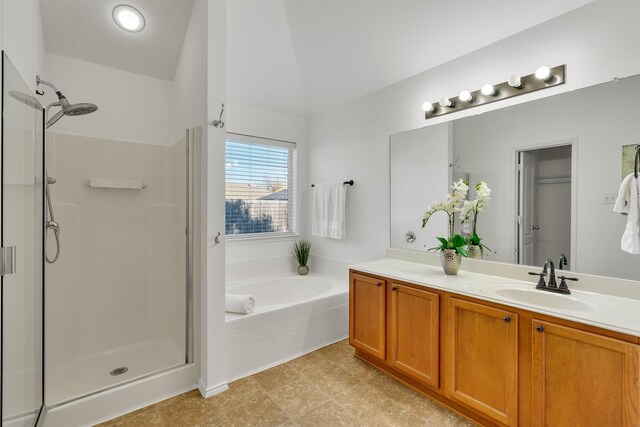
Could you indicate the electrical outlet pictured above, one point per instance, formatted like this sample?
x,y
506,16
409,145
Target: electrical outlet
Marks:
x,y
609,198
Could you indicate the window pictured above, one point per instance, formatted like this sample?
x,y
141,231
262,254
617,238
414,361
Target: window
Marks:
x,y
259,186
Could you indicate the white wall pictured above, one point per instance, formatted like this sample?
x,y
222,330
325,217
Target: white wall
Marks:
x,y
21,37
253,121
594,41
212,373
131,107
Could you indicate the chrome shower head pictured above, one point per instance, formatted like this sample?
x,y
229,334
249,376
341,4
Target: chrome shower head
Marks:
x,y
68,109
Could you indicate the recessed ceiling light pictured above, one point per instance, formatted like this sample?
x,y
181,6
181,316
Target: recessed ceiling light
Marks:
x,y
128,18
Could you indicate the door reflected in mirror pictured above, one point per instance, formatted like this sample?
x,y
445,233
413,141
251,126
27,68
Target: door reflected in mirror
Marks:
x,y
554,166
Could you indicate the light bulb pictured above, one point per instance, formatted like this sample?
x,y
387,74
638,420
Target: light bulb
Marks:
x,y
515,81
128,18
446,102
465,96
428,107
543,73
488,90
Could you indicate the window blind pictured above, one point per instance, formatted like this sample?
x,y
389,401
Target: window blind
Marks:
x,y
259,186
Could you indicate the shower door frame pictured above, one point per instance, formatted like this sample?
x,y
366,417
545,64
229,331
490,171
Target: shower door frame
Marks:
x,y
42,412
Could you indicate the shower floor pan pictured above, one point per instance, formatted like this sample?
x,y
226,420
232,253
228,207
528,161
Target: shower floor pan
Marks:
x,y
85,376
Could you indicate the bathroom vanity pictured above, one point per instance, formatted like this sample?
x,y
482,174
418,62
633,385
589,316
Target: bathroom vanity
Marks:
x,y
497,350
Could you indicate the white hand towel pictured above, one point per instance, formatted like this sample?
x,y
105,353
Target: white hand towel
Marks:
x,y
631,237
242,304
622,202
329,210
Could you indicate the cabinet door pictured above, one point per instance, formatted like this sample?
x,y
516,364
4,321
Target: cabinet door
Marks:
x,y
367,300
583,379
415,323
482,359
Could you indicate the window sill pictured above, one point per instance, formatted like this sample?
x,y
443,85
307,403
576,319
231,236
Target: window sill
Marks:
x,y
233,240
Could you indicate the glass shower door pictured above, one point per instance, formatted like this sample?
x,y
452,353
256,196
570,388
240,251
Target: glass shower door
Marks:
x,y
22,241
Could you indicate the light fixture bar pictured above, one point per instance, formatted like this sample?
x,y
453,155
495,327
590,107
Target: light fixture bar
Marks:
x,y
503,90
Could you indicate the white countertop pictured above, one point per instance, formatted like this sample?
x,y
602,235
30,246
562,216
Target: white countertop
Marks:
x,y
605,311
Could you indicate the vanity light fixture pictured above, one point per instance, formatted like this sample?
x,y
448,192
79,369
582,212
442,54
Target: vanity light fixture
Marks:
x,y
543,78
488,90
128,18
515,81
465,96
428,107
446,102
544,73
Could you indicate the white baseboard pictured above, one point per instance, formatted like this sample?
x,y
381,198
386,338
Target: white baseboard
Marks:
x,y
212,391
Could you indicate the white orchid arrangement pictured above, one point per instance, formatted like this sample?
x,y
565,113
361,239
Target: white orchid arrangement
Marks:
x,y
471,210
453,204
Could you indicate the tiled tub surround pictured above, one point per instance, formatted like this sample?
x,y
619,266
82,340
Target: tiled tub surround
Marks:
x,y
116,296
286,327
328,387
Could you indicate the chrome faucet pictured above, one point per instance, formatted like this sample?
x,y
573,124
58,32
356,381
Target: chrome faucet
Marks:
x,y
552,286
564,261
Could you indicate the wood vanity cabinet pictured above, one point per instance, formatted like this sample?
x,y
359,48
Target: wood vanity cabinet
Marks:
x,y
483,359
583,379
367,314
414,329
498,365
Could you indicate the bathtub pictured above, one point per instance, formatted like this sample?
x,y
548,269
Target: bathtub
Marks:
x,y
293,315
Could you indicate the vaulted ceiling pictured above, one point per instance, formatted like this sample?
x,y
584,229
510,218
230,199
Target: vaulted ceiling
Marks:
x,y
304,57
84,29
299,57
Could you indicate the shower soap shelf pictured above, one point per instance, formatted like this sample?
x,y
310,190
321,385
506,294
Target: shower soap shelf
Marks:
x,y
120,184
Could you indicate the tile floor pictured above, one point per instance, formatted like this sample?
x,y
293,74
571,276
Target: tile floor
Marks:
x,y
328,387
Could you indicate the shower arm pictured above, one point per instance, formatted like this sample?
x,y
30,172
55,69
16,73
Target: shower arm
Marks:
x,y
39,81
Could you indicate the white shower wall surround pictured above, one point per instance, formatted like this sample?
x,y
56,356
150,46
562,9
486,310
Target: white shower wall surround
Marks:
x,y
116,297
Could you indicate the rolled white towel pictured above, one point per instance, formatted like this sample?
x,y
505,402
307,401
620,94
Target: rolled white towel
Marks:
x,y
242,304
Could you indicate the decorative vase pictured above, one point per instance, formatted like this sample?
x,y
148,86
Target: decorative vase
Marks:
x,y
450,261
474,251
303,270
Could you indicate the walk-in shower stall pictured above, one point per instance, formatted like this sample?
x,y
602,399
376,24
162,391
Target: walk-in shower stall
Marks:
x,y
113,219
117,298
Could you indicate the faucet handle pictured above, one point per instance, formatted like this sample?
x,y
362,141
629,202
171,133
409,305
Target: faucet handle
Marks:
x,y
563,284
542,275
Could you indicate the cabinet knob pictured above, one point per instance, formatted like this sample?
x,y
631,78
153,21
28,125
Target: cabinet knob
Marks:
x,y
395,288
378,284
506,319
540,328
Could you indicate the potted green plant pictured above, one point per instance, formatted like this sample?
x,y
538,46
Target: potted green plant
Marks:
x,y
470,212
452,248
301,251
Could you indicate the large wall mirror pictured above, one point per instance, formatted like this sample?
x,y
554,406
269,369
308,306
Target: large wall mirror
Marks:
x,y
554,166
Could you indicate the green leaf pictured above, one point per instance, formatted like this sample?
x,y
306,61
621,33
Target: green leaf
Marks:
x,y
445,242
461,250
457,241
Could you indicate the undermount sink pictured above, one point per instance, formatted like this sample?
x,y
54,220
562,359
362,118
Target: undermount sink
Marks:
x,y
547,299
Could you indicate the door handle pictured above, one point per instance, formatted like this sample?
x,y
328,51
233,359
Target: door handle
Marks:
x,y
7,260
535,227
